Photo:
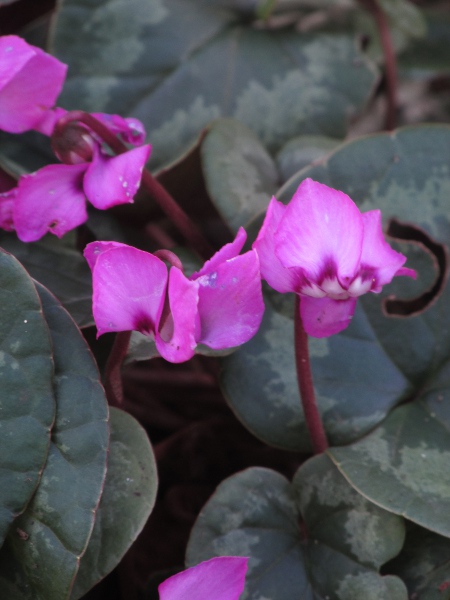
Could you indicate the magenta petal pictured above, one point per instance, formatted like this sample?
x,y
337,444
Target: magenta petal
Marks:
x,y
176,339
230,302
52,199
277,276
376,254
225,253
129,290
320,228
323,317
112,180
26,93
221,578
132,131
93,250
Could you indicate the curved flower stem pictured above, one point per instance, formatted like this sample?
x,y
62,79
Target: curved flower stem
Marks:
x,y
161,196
113,375
390,59
305,384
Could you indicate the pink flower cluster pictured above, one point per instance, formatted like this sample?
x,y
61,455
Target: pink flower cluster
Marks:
x,y
319,246
54,198
220,306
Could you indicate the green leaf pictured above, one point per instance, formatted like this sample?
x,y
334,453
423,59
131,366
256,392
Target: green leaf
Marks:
x,y
177,74
300,152
314,539
60,268
401,465
240,176
127,501
424,565
356,382
27,404
432,53
41,554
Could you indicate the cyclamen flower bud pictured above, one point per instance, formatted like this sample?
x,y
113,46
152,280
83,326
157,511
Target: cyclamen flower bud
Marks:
x,y
73,145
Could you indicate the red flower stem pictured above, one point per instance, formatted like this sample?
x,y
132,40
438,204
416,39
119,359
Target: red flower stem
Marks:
x,y
390,59
113,375
305,384
164,200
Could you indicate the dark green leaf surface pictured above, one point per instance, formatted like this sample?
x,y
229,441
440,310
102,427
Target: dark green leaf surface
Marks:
x,y
378,360
27,404
62,269
314,539
406,175
127,501
424,565
179,64
240,176
41,554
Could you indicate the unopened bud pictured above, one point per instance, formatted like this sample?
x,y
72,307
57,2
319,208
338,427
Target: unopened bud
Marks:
x,y
73,144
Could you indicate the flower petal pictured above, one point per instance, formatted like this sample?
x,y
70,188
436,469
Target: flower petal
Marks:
x,y
277,276
225,253
52,199
30,82
93,250
131,130
176,339
221,578
230,302
129,290
321,229
323,317
112,180
377,255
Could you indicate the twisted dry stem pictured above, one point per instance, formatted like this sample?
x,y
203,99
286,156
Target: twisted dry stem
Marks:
x,y
305,384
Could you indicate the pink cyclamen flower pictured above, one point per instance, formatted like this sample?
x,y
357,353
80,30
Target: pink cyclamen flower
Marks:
x,y
323,248
54,198
30,82
221,578
220,306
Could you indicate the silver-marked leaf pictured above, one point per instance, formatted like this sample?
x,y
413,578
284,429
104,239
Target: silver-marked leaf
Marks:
x,y
356,382
302,151
179,64
61,269
424,565
314,539
41,554
27,404
379,360
240,176
127,501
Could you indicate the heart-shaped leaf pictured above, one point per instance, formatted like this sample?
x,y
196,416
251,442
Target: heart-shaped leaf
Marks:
x,y
313,539
41,555
27,403
127,501
60,268
177,74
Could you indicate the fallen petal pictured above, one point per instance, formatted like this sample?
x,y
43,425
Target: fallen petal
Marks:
x,y
221,578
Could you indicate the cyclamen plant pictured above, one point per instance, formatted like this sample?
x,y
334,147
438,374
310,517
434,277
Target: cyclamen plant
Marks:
x,y
78,476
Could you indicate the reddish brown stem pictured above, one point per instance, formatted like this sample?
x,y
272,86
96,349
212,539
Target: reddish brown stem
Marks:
x,y
305,384
164,200
113,368
390,60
